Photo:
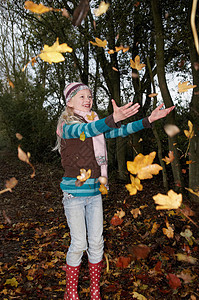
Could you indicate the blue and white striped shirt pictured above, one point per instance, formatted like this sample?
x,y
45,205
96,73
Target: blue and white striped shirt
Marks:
x,y
91,187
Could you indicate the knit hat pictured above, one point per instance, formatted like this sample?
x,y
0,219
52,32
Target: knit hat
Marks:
x,y
73,88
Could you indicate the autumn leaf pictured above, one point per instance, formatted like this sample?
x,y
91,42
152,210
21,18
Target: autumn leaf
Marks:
x,y
12,282
92,116
140,251
170,201
10,184
99,43
169,232
120,213
84,175
171,130
189,133
38,8
123,262
116,220
134,186
169,159
19,136
115,69
186,276
135,212
103,190
135,294
183,87
174,281
153,95
143,167
25,157
82,136
52,53
136,64
102,9
193,192
111,51
186,258
11,84
155,228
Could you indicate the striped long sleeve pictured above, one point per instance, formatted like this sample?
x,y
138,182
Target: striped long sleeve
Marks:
x,y
125,130
90,129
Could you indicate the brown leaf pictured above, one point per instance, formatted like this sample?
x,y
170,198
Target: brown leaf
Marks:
x,y
65,13
11,183
139,252
116,221
6,218
123,262
135,212
80,12
174,281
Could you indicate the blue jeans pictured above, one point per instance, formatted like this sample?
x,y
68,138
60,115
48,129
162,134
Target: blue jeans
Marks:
x,y
85,219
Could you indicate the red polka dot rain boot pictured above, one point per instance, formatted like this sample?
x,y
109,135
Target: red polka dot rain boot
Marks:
x,y
72,275
95,272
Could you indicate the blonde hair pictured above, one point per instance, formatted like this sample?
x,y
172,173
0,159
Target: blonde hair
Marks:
x,y
67,117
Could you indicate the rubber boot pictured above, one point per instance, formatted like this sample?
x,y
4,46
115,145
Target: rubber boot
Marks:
x,y
72,276
95,273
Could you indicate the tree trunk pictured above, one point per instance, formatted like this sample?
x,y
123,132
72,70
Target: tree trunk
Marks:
x,y
194,116
157,18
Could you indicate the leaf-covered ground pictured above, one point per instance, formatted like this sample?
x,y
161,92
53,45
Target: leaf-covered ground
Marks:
x,y
140,260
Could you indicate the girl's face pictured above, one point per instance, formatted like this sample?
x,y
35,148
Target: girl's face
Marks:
x,y
81,101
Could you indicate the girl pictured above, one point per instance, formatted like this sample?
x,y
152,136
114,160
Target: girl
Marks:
x,y
83,204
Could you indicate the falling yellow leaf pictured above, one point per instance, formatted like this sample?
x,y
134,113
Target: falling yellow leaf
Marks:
x,y
92,116
103,190
183,87
99,43
153,95
134,186
170,201
102,9
143,167
169,159
19,136
11,84
111,51
117,49
188,162
115,69
52,53
25,157
84,175
38,8
189,133
82,136
171,130
136,64
192,191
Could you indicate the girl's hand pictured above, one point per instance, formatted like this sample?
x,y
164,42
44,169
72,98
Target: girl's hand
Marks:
x,y
124,112
159,113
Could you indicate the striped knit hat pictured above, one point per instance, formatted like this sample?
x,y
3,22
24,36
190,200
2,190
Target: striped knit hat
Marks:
x,y
73,88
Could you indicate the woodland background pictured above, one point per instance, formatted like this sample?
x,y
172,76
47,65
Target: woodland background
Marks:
x,y
32,100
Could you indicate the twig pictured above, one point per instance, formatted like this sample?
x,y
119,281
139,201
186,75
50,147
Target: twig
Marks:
x,y
188,218
193,25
